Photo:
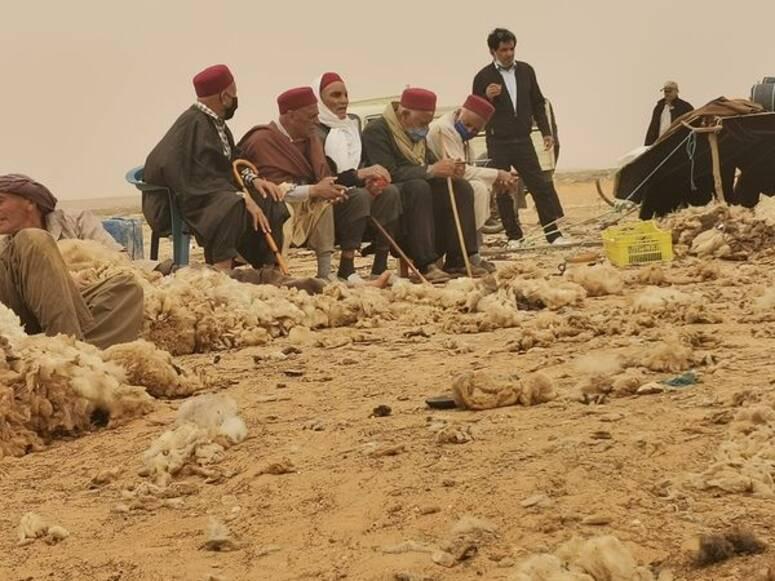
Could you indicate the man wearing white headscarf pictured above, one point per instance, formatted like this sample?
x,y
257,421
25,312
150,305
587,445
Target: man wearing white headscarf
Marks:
x,y
341,136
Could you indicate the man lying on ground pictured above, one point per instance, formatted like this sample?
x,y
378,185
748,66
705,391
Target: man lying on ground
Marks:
x,y
35,282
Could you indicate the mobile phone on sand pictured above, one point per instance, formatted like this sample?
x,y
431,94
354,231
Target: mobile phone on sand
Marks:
x,y
441,402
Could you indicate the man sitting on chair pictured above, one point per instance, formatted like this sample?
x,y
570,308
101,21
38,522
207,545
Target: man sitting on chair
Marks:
x,y
194,160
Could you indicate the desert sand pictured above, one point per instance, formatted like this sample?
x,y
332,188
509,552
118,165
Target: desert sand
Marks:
x,y
328,486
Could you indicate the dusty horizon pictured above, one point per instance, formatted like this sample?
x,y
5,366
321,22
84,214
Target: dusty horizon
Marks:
x,y
90,88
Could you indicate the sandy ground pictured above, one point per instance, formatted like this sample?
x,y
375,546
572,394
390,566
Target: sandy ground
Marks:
x,y
600,468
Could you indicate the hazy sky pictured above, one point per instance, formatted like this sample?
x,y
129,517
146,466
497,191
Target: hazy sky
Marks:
x,y
90,86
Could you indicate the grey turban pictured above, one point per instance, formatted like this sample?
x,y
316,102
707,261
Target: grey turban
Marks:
x,y
28,188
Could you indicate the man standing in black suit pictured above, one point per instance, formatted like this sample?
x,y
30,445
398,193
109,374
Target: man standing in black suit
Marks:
x,y
511,86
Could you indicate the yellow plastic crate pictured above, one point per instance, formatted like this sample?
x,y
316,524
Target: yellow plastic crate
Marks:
x,y
637,243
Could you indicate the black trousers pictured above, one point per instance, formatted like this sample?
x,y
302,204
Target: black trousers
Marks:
x,y
237,235
350,218
521,154
386,210
427,226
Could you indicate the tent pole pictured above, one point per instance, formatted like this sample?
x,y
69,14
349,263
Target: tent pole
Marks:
x,y
714,153
712,131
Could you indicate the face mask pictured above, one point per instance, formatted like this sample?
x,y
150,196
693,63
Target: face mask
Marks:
x,y
417,134
228,113
462,131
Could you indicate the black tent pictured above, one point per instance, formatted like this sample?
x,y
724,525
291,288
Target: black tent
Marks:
x,y
677,170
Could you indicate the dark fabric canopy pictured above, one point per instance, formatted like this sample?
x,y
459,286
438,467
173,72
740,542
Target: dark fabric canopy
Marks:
x,y
746,143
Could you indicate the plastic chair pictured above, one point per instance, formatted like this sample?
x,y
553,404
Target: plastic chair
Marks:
x,y
181,235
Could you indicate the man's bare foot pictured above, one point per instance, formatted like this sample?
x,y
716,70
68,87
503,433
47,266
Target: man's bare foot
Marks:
x,y
355,280
382,281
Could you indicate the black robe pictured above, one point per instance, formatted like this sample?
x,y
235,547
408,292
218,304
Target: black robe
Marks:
x,y
680,107
189,160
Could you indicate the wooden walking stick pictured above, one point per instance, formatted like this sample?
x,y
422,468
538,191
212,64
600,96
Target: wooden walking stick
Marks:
x,y
398,250
461,239
267,235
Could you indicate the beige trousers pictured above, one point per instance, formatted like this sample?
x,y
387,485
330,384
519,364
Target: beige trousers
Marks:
x,y
481,202
35,284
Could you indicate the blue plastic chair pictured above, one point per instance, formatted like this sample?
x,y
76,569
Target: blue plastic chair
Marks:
x,y
181,235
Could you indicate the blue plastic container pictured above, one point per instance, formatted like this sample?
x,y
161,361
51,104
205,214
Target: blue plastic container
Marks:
x,y
129,233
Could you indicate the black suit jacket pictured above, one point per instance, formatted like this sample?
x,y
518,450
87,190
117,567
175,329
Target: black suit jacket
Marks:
x,y
505,123
680,107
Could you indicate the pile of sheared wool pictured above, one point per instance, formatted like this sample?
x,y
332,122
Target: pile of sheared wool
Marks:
x,y
711,242
675,305
651,275
670,355
603,558
745,460
154,369
547,293
701,271
660,300
661,275
199,309
520,269
604,373
89,262
598,280
720,230
477,390
548,327
473,306
620,374
485,307
55,386
10,325
453,295
206,426
32,527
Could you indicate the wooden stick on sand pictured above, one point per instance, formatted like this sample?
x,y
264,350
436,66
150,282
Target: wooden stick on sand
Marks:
x,y
398,250
461,239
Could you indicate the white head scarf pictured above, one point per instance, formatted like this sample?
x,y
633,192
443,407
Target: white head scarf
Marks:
x,y
343,143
